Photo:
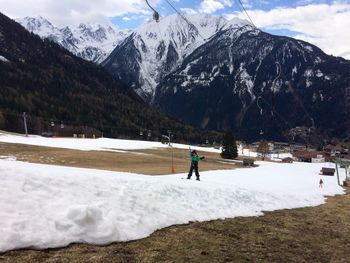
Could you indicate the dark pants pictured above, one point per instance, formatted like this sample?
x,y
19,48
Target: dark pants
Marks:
x,y
194,166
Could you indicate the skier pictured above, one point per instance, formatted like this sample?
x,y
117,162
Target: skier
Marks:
x,y
321,183
194,164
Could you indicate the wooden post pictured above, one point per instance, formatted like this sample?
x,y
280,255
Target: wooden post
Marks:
x,y
336,167
25,124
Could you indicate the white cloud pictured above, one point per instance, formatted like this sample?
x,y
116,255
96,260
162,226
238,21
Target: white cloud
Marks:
x,y
227,3
211,6
63,12
247,3
303,2
189,11
324,25
263,2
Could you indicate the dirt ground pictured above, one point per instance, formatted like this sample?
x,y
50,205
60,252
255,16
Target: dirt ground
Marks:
x,y
313,234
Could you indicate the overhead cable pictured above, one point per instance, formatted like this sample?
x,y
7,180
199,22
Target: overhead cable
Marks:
x,y
246,13
192,26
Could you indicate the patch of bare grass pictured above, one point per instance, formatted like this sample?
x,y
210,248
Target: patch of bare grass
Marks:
x,y
150,162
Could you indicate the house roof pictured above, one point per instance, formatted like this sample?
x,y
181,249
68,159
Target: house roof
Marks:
x,y
307,154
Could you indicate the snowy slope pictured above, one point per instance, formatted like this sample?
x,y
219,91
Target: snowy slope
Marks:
x,y
90,41
3,59
159,48
101,144
52,206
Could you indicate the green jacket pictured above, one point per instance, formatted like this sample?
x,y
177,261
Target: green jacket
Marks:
x,y
196,158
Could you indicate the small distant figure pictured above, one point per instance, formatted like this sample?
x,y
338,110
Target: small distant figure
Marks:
x,y
194,164
321,184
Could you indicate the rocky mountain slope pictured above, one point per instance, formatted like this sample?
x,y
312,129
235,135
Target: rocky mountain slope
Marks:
x,y
51,84
93,42
260,85
154,50
228,75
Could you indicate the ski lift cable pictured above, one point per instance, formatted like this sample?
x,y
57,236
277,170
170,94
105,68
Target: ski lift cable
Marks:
x,y
274,84
59,122
246,13
155,13
302,105
278,114
185,19
151,6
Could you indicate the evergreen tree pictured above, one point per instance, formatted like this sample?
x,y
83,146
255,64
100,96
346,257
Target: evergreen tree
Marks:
x,y
263,148
2,120
229,147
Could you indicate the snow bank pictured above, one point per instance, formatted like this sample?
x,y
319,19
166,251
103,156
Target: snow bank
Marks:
x,y
51,206
3,59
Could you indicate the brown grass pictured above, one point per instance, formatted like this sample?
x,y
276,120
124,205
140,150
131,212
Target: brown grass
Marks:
x,y
150,162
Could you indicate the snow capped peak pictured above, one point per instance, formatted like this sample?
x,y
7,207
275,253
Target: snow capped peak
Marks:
x,y
39,26
203,25
92,41
239,22
35,22
163,45
67,31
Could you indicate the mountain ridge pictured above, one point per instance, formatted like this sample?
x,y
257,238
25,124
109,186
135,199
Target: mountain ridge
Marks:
x,y
256,82
49,83
176,66
159,48
90,41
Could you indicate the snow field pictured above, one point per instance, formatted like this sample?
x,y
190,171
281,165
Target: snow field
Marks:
x,y
51,206
45,206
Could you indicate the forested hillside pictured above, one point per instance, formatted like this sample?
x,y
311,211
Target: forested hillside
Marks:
x,y
53,86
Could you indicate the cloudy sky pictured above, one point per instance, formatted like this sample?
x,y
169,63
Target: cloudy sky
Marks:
x,y
324,23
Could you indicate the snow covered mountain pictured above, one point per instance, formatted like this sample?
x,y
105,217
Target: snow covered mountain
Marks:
x,y
257,84
227,75
154,49
141,57
49,83
93,42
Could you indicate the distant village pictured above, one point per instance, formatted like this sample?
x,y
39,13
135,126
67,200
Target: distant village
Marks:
x,y
297,152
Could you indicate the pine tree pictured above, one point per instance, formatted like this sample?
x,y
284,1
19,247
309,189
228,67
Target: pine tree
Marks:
x,y
263,148
229,147
2,120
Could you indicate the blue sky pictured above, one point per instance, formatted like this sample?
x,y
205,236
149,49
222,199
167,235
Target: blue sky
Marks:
x,y
324,23
214,7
